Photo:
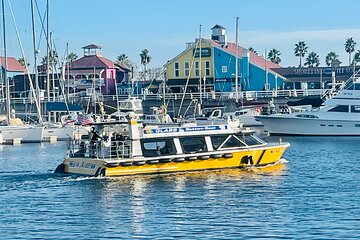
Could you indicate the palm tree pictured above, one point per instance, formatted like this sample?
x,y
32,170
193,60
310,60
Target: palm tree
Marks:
x,y
350,47
274,56
71,57
300,50
123,60
312,60
356,57
53,58
331,57
253,50
22,61
145,59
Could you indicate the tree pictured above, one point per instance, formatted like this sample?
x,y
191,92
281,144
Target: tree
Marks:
x,y
350,47
253,50
123,60
71,57
145,59
356,57
53,58
300,50
274,56
331,58
312,60
23,62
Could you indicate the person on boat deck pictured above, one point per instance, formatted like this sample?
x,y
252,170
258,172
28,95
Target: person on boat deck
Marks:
x,y
95,136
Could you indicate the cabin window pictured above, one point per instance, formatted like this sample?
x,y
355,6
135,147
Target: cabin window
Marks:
x,y
193,144
340,108
355,109
232,142
176,69
249,139
306,116
207,68
217,140
197,73
159,147
186,69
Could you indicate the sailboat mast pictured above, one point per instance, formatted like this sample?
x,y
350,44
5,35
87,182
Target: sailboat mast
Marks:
x,y
35,57
8,106
200,78
236,62
47,57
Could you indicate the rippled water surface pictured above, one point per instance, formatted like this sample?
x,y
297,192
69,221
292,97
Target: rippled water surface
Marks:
x,y
315,195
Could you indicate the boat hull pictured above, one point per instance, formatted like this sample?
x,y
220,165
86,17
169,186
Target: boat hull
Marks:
x,y
261,156
26,134
276,125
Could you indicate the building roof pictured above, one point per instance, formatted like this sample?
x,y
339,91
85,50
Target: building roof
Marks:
x,y
92,46
254,59
217,26
92,61
12,65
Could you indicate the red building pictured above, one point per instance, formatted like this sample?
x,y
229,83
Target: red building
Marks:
x,y
94,71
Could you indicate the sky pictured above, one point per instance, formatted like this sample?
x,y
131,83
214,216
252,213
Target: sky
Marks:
x,y
164,27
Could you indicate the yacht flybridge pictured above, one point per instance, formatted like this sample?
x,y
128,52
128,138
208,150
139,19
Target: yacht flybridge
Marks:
x,y
155,149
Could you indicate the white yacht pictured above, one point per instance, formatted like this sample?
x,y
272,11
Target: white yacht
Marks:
x,y
338,116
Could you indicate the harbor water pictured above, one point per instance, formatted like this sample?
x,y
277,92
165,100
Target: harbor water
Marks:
x,y
313,195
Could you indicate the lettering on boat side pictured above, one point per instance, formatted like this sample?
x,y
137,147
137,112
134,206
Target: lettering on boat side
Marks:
x,y
184,129
74,164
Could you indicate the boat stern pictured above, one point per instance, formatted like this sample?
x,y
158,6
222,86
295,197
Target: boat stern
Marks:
x,y
82,166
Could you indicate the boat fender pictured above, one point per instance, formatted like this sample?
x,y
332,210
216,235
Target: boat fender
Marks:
x,y
165,160
125,164
215,156
112,164
227,155
60,168
178,159
203,157
154,161
191,158
139,163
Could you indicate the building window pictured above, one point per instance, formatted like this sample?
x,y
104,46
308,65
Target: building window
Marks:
x,y
176,69
224,69
197,69
207,68
186,69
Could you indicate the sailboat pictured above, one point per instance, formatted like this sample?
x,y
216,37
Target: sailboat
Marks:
x,y
13,129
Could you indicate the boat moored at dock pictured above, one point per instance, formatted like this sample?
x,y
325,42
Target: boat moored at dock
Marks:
x,y
152,150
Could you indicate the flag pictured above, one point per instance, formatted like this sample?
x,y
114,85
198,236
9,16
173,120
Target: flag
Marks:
x,y
85,119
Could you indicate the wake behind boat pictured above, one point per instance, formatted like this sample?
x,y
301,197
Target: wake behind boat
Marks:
x,y
152,150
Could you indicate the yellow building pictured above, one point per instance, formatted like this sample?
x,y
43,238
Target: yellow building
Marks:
x,y
191,65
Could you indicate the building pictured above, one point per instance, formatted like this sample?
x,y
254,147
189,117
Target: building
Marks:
x,y
315,77
213,67
13,68
94,71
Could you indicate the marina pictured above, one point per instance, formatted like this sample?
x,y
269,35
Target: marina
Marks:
x,y
156,120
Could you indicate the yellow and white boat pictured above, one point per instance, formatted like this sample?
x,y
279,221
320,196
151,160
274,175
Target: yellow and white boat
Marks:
x,y
153,150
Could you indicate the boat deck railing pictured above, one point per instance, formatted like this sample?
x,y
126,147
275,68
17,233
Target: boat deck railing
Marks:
x,y
101,150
